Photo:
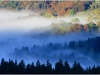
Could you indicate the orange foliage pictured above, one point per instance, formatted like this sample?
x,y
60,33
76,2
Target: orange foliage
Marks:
x,y
86,27
61,7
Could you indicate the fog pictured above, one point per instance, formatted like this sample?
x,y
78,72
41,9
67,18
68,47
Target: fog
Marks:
x,y
26,20
14,29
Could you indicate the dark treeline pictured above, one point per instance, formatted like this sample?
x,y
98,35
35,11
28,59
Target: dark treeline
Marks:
x,y
11,67
91,44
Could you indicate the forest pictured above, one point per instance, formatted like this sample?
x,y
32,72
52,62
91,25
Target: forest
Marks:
x,y
51,8
91,44
13,67
89,47
64,28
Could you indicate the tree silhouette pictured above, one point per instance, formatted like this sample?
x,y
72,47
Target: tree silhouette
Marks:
x,y
38,67
65,45
28,69
11,67
59,67
77,69
48,67
66,68
32,68
21,67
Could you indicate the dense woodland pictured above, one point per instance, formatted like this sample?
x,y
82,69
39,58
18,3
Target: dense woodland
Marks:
x,y
13,67
64,28
89,45
51,8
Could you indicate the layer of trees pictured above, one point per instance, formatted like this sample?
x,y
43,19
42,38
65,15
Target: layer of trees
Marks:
x,y
89,46
66,28
51,8
13,67
90,27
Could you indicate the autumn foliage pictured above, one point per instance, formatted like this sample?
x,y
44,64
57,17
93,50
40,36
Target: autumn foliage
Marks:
x,y
56,8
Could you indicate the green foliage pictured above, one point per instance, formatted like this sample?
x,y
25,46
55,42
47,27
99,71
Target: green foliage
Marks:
x,y
55,14
91,24
76,20
72,12
93,27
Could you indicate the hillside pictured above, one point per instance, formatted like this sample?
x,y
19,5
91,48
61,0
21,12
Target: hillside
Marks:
x,y
51,8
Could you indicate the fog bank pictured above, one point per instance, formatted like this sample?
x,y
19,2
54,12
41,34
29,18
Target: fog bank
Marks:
x,y
14,28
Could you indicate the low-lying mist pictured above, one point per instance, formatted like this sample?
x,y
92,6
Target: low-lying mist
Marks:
x,y
53,56
27,20
14,29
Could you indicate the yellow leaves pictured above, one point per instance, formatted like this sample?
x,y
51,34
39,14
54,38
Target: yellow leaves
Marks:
x,y
52,17
97,12
27,7
47,14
